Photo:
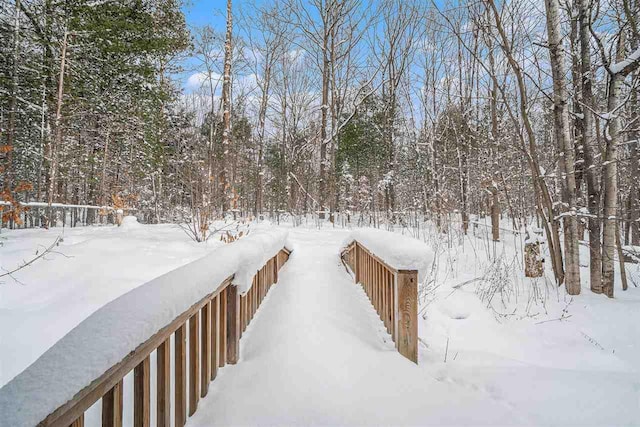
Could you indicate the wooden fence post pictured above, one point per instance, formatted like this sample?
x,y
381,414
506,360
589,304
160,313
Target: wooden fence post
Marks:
x,y
407,313
233,324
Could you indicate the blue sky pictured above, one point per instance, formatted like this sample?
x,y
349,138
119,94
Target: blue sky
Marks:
x,y
200,12
212,12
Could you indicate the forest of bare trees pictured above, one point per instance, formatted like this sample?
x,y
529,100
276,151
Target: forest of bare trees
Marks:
x,y
525,112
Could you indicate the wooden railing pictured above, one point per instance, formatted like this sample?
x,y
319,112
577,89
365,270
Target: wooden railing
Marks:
x,y
210,329
393,293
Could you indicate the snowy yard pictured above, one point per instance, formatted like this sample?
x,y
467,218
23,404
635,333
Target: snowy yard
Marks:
x,y
317,353
91,266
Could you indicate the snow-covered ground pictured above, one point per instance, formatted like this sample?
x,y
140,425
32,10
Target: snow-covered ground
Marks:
x,y
496,348
91,267
317,354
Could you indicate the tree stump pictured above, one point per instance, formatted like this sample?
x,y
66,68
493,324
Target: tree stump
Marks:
x,y
119,216
533,261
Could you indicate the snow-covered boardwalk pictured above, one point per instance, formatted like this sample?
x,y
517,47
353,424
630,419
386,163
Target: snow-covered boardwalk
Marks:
x,y
316,351
315,355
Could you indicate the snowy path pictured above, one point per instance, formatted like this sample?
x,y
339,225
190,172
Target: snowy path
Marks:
x,y
314,356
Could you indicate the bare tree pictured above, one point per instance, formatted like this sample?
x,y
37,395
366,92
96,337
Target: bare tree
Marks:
x,y
226,112
565,147
618,67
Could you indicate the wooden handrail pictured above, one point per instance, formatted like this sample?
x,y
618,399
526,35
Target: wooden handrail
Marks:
x,y
211,328
392,292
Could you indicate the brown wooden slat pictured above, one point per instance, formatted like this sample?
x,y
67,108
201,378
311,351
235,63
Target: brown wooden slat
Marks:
x,y
79,422
194,362
222,328
112,407
275,268
215,336
357,263
181,376
233,325
141,393
243,312
163,384
205,360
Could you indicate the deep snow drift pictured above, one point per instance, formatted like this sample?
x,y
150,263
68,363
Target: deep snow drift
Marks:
x,y
495,348
91,267
317,354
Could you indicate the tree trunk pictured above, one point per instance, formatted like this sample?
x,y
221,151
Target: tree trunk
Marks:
x,y
13,104
565,148
226,113
610,187
634,193
323,196
262,113
55,146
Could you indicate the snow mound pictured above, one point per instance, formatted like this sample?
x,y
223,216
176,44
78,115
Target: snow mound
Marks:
x,y
119,327
129,222
254,251
398,251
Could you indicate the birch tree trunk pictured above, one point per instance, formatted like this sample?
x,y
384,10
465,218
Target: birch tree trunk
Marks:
x,y
226,111
565,148
55,146
262,113
589,145
617,74
634,193
323,196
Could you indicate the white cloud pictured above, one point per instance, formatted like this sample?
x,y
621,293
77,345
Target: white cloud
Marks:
x,y
196,80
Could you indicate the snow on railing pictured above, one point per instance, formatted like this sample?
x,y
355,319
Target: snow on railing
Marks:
x,y
209,300
389,267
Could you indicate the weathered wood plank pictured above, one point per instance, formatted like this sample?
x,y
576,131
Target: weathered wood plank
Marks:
x,y
408,314
79,422
205,360
194,362
233,325
357,262
181,376
141,393
112,407
222,326
215,336
163,384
